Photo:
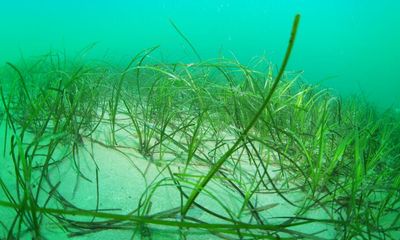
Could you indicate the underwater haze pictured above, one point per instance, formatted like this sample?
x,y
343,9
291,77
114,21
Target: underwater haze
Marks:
x,y
193,120
350,46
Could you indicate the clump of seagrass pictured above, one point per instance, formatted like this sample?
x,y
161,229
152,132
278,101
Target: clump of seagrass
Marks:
x,y
245,155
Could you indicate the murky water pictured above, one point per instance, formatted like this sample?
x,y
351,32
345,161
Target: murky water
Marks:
x,y
351,46
178,119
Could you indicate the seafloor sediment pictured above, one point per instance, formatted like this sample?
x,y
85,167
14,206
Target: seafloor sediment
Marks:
x,y
95,152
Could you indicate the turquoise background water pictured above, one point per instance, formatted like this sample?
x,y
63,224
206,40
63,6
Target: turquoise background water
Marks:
x,y
350,46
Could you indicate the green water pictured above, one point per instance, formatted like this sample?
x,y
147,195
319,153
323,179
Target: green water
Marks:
x,y
350,46
194,120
